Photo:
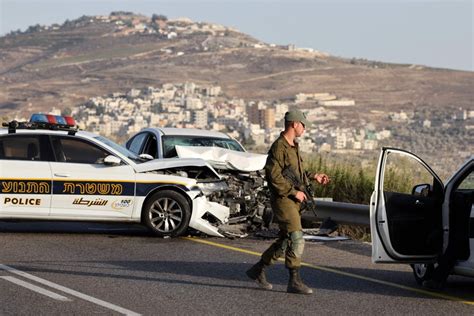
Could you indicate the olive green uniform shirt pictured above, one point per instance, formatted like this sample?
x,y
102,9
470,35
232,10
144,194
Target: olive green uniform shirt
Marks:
x,y
286,208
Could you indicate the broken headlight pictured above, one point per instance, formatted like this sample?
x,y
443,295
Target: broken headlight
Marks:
x,y
209,187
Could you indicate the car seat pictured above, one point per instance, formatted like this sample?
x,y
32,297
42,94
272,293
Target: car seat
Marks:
x,y
32,152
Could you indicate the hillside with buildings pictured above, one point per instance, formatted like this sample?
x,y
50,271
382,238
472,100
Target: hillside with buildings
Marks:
x,y
122,72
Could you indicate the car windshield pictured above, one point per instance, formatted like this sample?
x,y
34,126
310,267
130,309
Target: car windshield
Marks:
x,y
169,143
124,151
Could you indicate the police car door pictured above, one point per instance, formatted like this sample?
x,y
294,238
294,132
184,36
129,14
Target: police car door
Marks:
x,y
84,187
25,176
406,209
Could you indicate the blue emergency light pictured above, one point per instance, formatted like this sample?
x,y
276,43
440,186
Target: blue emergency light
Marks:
x,y
51,120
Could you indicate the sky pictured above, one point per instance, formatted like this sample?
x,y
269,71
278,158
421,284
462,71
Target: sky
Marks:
x,y
425,32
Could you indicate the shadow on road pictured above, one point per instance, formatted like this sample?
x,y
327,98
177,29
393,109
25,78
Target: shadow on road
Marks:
x,y
210,274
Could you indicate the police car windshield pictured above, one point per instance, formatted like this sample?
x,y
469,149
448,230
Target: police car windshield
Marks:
x,y
124,151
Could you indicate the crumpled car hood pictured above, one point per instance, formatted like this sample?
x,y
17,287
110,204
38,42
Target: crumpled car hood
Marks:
x,y
221,158
169,163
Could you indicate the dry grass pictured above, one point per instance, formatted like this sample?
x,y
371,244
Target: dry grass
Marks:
x,y
124,51
361,233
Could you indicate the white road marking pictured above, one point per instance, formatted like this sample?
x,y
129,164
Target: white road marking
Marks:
x,y
35,288
70,291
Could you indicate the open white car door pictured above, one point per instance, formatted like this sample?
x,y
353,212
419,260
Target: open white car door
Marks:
x,y
406,210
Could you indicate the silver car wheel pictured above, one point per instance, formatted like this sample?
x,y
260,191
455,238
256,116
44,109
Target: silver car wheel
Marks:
x,y
165,215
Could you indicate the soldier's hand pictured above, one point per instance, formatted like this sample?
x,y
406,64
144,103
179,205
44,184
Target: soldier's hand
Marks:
x,y
322,178
300,196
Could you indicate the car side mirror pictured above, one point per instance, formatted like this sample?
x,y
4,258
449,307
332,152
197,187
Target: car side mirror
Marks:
x,y
422,190
111,160
146,156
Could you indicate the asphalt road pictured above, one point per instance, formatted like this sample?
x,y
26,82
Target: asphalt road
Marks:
x,y
84,269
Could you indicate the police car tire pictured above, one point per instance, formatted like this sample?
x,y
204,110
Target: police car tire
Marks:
x,y
422,272
174,220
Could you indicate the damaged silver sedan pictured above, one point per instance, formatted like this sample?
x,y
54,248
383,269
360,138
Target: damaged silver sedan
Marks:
x,y
244,190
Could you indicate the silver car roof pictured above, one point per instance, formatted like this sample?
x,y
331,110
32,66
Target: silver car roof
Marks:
x,y
187,131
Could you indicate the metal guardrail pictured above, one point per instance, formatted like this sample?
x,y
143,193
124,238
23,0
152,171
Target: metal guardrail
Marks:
x,y
342,213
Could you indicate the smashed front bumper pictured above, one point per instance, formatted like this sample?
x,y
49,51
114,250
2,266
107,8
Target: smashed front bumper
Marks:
x,y
207,216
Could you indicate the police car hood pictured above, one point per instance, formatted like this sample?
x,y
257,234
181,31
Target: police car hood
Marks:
x,y
222,158
171,163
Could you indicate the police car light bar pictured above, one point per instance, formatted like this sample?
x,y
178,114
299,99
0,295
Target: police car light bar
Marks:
x,y
61,121
45,121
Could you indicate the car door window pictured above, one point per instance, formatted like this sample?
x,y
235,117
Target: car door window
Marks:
x,y
461,224
20,147
402,174
151,146
74,150
468,183
137,143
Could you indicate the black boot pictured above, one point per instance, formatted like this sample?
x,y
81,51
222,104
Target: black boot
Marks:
x,y
296,285
257,273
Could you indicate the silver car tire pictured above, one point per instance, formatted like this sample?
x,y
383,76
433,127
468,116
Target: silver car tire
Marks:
x,y
167,213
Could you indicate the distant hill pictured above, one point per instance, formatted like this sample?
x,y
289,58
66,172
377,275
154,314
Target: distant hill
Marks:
x,y
64,65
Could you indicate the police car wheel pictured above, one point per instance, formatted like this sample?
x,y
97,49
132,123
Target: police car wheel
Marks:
x,y
167,213
422,272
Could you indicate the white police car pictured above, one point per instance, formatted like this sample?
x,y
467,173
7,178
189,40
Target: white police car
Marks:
x,y
425,223
49,170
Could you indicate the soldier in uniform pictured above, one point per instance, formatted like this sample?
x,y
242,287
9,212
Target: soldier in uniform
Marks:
x,y
286,203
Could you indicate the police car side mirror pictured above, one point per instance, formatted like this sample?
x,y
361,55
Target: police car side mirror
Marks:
x,y
111,160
